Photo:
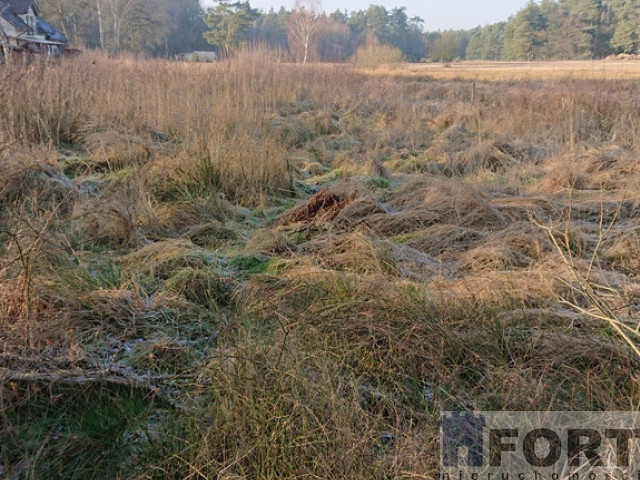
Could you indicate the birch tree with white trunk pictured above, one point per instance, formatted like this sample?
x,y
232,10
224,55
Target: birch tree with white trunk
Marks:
x,y
303,26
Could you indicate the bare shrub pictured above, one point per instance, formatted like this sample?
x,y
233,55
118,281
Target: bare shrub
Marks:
x,y
373,56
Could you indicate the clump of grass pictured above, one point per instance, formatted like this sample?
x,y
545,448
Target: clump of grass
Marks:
x,y
183,215
381,326
212,234
116,217
270,242
160,260
622,252
379,182
276,423
485,258
203,286
443,239
110,150
88,271
250,263
427,202
323,206
185,179
486,156
74,432
105,310
354,252
31,174
524,239
358,211
563,173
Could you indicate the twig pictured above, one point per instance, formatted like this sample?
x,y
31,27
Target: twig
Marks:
x,y
584,285
79,378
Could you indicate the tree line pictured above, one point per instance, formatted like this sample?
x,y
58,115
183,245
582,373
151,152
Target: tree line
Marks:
x,y
169,27
155,27
562,29
548,29
308,34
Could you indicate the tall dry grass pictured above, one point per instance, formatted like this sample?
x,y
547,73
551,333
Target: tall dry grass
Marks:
x,y
221,115
180,291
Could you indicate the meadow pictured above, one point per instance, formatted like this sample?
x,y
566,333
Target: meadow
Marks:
x,y
259,270
610,69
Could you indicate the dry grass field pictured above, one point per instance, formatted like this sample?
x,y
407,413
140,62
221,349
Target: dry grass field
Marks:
x,y
251,270
609,69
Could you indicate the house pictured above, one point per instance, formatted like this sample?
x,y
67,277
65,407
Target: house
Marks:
x,y
23,29
206,57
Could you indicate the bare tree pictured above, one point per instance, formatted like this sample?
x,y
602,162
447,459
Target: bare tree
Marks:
x,y
133,22
118,9
303,27
128,18
100,28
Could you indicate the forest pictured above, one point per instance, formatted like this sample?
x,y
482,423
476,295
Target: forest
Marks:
x,y
547,30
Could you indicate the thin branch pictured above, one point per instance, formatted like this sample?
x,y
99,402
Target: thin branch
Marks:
x,y
79,378
593,292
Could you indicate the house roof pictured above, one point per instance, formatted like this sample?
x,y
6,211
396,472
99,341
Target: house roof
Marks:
x,y
10,11
21,7
49,31
9,14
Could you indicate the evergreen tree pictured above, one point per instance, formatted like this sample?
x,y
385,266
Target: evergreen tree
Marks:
x,y
580,27
543,29
626,36
377,19
187,27
406,34
336,42
524,34
229,24
449,45
486,43
270,28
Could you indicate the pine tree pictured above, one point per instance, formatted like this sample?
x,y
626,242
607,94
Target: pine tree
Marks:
x,y
582,25
524,34
486,43
626,36
229,23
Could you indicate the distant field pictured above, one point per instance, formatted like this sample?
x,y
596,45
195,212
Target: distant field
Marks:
x,y
503,71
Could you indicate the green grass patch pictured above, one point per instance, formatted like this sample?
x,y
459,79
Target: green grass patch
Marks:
x,y
379,182
254,264
71,432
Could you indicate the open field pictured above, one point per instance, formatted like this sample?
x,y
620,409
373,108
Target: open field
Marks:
x,y
266,271
610,69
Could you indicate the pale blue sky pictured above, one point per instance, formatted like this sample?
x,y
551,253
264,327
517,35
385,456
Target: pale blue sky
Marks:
x,y
437,14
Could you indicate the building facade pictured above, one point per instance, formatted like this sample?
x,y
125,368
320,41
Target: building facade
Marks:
x,y
23,29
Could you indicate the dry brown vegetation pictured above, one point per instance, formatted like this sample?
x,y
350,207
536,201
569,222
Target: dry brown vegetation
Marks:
x,y
257,270
603,70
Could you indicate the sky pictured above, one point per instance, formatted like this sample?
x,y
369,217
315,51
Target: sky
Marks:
x,y
437,14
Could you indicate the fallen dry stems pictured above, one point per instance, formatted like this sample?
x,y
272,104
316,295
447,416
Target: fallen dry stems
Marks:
x,y
107,376
604,301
